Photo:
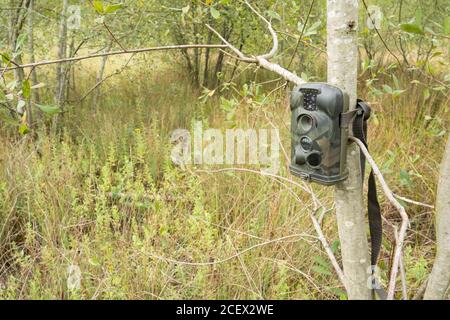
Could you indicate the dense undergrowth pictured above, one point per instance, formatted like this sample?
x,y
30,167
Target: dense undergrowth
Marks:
x,y
103,197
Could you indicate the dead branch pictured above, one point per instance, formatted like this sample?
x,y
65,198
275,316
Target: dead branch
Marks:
x,y
405,221
112,53
262,60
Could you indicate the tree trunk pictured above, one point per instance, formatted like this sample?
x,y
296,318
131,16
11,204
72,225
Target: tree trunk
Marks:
x,y
439,280
219,63
16,24
99,78
342,72
62,53
206,69
34,80
61,67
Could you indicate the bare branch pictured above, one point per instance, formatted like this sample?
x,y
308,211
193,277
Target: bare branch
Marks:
x,y
405,221
262,60
199,264
329,252
402,270
417,203
241,56
112,53
101,81
274,49
114,37
286,74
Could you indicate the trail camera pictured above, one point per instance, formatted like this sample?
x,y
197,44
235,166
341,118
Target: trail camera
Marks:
x,y
318,140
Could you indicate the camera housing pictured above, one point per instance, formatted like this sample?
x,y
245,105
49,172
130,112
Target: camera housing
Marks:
x,y
319,142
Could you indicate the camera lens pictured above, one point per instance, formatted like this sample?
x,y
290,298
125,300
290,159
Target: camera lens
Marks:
x,y
314,159
306,143
305,122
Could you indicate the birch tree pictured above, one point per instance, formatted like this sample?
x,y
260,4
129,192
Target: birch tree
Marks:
x,y
342,25
100,73
439,280
33,75
62,53
342,19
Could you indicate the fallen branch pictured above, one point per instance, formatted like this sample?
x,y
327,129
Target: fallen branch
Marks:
x,y
405,221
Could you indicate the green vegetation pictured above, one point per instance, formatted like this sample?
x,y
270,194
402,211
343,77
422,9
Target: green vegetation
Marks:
x,y
97,189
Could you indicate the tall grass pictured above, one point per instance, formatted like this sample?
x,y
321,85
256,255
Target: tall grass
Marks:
x,y
104,196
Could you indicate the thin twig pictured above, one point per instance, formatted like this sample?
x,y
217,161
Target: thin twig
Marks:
x,y
114,37
316,201
417,203
274,49
405,221
262,60
379,34
329,252
200,264
301,34
118,71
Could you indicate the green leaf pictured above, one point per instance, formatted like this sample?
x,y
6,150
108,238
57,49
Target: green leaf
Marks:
x,y
397,93
321,270
98,6
26,89
49,109
23,129
447,25
426,94
214,13
335,246
405,178
321,261
273,15
411,28
20,41
113,7
387,89
5,58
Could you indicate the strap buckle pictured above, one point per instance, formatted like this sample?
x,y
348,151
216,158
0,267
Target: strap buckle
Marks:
x,y
363,109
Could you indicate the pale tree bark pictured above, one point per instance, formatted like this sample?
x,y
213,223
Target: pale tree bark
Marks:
x,y
439,280
16,22
62,53
16,25
34,80
100,74
342,20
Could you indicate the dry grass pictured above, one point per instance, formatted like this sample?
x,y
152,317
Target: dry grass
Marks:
x,y
59,203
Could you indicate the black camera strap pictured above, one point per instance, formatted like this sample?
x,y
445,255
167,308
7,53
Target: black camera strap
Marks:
x,y
358,119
